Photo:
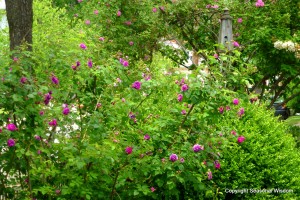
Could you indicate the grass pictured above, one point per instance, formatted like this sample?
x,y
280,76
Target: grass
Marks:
x,y
293,120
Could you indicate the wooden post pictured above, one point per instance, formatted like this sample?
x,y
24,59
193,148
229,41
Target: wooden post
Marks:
x,y
225,34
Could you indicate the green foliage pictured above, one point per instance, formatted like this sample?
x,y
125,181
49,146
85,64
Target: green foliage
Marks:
x,y
257,163
87,155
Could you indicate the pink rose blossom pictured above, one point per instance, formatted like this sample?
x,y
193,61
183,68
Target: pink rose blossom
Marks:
x,y
233,132
236,44
83,46
241,139
11,127
180,97
128,150
11,142
217,164
173,157
259,3
209,175
147,137
136,85
198,148
119,13
235,101
221,109
185,87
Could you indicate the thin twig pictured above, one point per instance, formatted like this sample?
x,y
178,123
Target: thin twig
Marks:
x,y
186,116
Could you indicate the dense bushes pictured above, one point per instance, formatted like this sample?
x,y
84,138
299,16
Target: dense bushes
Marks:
x,y
85,124
266,160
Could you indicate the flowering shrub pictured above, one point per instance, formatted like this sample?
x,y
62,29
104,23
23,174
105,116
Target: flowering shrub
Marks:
x,y
120,133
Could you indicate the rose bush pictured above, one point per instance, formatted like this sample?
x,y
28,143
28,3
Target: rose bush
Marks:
x,y
81,121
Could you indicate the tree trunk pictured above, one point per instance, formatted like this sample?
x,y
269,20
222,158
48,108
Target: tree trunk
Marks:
x,y
20,17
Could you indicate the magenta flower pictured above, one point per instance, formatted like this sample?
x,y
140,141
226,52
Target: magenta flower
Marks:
x,y
227,108
128,150
87,22
221,109
241,112
23,80
215,6
123,100
183,112
57,191
198,148
131,115
173,157
55,80
96,12
152,189
47,98
79,1
259,3
216,56
236,44
209,175
83,46
233,132
136,85
101,38
182,160
128,23
90,63
241,139
154,10
182,81
11,142
42,113
98,105
124,62
119,13
185,87
11,127
239,20
131,43
217,164
180,97
147,137
37,137
66,111
235,101
39,152
53,122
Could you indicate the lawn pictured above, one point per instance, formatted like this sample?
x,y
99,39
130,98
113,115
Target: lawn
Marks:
x,y
294,120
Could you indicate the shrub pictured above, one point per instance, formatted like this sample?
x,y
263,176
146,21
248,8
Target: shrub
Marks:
x,y
266,160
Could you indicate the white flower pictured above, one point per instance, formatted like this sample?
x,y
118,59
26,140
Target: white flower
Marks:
x,y
278,45
291,46
285,45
